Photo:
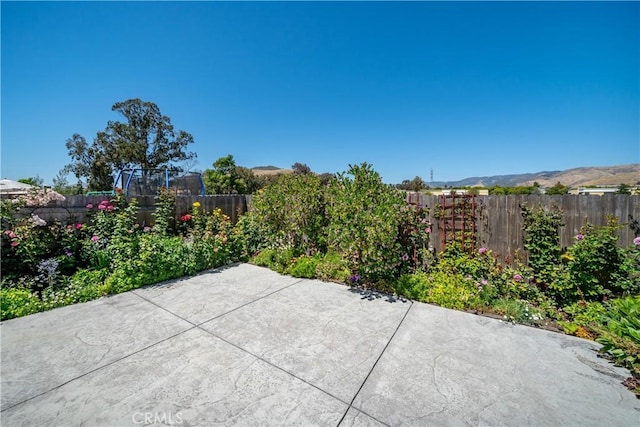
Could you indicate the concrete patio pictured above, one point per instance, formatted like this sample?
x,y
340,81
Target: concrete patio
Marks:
x,y
245,346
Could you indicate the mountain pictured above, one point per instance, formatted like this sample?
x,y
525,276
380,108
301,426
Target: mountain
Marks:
x,y
584,176
269,170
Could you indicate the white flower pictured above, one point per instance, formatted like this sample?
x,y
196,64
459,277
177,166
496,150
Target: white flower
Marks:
x,y
36,221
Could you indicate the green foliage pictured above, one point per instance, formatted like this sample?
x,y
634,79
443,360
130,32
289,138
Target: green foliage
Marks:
x,y
224,177
36,181
558,189
304,266
623,189
414,236
542,240
145,139
445,289
276,259
621,332
598,267
518,311
291,213
499,190
17,302
585,313
165,213
333,268
250,234
363,215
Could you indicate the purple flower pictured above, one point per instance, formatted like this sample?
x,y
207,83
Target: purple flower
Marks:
x,y
517,278
482,250
405,257
484,282
95,238
636,241
355,278
67,252
579,237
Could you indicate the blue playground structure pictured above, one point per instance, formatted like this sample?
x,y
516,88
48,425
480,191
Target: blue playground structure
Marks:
x,y
149,182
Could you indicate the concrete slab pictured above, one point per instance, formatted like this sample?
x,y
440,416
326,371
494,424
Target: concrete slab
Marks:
x,y
209,295
355,418
445,367
44,350
275,350
193,379
319,332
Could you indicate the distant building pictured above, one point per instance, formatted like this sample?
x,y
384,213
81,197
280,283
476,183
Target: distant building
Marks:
x,y
448,191
594,191
12,189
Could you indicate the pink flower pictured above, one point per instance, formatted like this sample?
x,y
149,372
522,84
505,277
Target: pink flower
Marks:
x,y
78,226
484,282
7,232
579,237
427,230
517,278
636,241
95,238
482,250
110,208
102,207
14,244
89,206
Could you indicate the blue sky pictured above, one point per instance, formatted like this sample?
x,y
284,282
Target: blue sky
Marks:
x,y
465,89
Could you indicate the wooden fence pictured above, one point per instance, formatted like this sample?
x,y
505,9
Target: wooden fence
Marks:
x,y
74,208
499,219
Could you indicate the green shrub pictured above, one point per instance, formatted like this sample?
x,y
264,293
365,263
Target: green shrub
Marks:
x,y
364,220
518,311
17,302
266,258
291,213
542,239
585,313
598,267
332,268
445,289
621,332
304,266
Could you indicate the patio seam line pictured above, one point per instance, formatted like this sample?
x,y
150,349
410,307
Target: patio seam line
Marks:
x,y
219,315
272,364
99,368
374,367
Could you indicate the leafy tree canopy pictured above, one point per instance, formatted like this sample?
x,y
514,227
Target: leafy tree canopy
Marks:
x,y
558,189
227,178
300,169
144,139
33,180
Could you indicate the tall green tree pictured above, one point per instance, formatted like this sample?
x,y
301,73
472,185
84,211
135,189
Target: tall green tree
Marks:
x,y
223,178
144,139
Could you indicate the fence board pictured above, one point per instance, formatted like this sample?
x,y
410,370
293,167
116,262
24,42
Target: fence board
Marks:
x,y
498,218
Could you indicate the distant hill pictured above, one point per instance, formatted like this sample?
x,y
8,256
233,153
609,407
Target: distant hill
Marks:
x,y
605,175
269,170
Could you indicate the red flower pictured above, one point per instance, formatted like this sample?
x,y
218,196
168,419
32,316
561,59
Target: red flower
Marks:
x,y
186,217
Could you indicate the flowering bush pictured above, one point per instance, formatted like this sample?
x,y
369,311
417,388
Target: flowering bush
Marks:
x,y
291,213
364,222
